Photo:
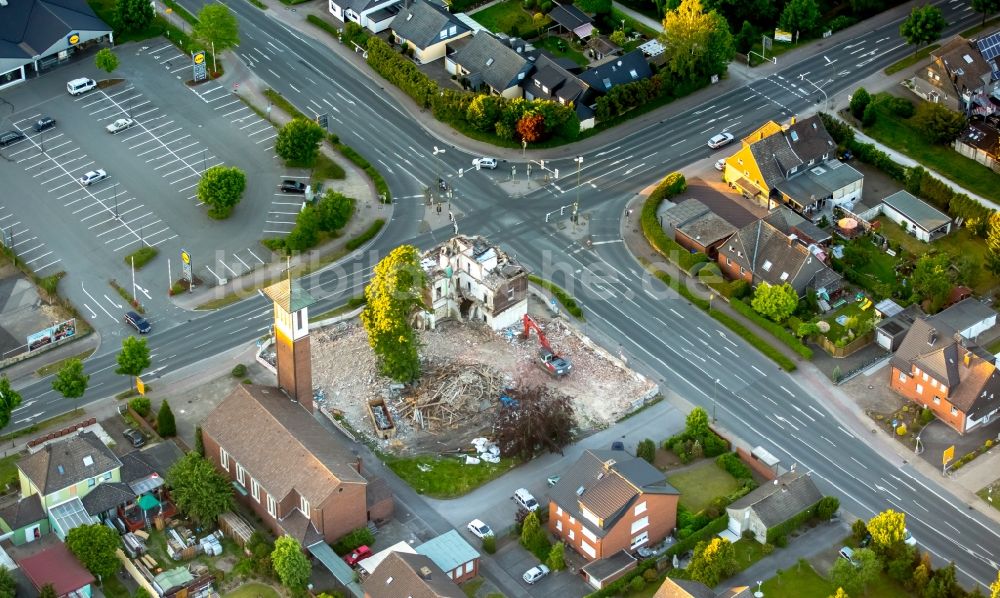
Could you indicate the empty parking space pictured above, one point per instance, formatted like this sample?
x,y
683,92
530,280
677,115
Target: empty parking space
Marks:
x,y
26,245
231,108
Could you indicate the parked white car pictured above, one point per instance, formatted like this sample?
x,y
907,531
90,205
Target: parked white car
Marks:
x,y
535,573
908,538
485,162
720,140
93,176
479,529
120,125
720,165
524,498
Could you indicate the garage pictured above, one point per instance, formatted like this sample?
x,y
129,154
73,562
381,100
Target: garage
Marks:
x,y
36,35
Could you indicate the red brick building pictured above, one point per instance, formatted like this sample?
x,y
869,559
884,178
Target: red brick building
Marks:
x,y
937,368
610,501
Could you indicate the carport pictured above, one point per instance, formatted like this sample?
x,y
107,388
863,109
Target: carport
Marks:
x,y
344,574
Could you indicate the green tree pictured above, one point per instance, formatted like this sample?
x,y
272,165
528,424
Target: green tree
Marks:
x,y
700,42
888,530
939,124
70,381
931,278
166,426
986,8
8,585
9,400
134,358
993,243
334,211
775,302
857,575
483,112
557,557
713,561
133,15
696,424
47,591
306,231
221,187
943,583
95,545
646,450
106,60
995,587
800,16
923,26
827,507
859,101
747,38
530,530
298,141
394,293
217,29
290,563
198,489
618,37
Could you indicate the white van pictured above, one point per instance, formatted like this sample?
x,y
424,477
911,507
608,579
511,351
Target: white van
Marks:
x,y
524,498
78,86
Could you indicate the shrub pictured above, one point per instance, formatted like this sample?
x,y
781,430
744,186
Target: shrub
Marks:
x,y
860,100
781,541
166,426
715,445
490,544
141,257
239,370
672,185
141,405
870,116
732,464
859,529
637,584
650,575
767,548
646,450
827,507
359,537
901,430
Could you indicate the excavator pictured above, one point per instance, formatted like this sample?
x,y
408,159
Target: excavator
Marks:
x,y
555,365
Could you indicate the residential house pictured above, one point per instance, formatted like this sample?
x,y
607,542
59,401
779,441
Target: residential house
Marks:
x,y
957,76
891,331
793,165
374,15
56,566
472,280
570,19
140,496
369,565
936,368
306,483
490,63
552,81
605,571
427,28
759,252
36,35
920,219
24,521
969,318
980,142
686,588
64,472
610,501
696,227
627,68
409,575
791,223
773,504
453,555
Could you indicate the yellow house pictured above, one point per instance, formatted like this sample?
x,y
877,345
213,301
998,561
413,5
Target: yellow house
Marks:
x,y
427,29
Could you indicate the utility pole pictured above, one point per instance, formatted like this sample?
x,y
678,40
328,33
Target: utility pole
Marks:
x,y
132,260
116,201
715,395
576,204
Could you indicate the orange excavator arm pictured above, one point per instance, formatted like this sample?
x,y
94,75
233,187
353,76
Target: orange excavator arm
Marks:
x,y
529,324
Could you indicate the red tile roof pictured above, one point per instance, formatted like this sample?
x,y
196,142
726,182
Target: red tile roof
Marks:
x,y
56,566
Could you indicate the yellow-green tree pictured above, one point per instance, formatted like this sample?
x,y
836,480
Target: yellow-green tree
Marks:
x,y
888,529
995,587
394,293
840,593
713,561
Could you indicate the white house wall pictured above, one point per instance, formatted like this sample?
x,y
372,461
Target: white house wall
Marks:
x,y
336,10
512,316
897,217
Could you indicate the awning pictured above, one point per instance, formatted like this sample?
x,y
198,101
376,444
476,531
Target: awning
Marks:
x,y
148,501
146,484
340,570
68,515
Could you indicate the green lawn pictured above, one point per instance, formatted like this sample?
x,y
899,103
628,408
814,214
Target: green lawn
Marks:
x,y
802,581
959,242
748,552
994,347
910,60
559,47
904,137
113,588
851,310
701,484
510,18
253,590
986,495
472,586
8,470
447,477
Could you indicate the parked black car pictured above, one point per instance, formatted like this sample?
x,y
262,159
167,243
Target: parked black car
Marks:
x,y
134,436
10,137
290,186
45,122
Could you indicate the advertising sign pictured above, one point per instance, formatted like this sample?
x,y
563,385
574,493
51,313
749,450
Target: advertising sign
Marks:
x,y
140,386
200,68
51,335
948,455
186,265
73,39
783,36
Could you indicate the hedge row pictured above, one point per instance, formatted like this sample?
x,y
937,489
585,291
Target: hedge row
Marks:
x,y
324,25
618,586
381,187
734,466
366,236
783,529
778,331
673,184
717,525
565,298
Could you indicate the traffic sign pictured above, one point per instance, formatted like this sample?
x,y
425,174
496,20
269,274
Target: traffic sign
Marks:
x,y
140,386
948,455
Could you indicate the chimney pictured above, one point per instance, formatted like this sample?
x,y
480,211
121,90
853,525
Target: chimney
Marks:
x,y
791,239
931,336
425,573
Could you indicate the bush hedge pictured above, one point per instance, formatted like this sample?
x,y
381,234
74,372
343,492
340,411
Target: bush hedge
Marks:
x,y
141,257
619,586
141,405
776,533
671,185
777,330
713,527
564,298
366,236
732,463
359,537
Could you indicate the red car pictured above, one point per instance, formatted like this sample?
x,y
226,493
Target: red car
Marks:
x,y
358,554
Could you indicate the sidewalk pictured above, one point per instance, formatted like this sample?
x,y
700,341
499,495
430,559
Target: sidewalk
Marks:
x,y
22,373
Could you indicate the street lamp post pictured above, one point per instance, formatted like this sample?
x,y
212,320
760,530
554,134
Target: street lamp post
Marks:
x,y
116,200
826,98
437,151
576,204
524,148
715,396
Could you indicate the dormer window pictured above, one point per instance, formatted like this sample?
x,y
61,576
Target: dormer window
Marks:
x,y
489,62
767,266
453,30
444,34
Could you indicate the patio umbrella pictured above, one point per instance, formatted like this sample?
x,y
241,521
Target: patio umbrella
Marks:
x,y
847,223
148,501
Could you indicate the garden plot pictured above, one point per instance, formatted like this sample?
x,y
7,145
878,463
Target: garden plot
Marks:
x,y
466,369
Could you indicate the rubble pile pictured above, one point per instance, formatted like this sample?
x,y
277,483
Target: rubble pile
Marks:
x,y
450,393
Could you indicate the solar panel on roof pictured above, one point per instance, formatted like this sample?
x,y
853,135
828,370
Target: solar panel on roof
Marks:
x,y
989,46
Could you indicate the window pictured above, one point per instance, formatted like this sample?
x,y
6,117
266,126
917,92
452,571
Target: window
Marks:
x,y
469,567
742,270
937,400
572,519
255,489
767,265
223,458
954,411
640,540
729,262
489,62
920,389
558,511
640,524
590,517
902,377
452,30
304,507
640,508
241,475
271,506
925,376
298,317
437,292
588,549
933,383
572,534
107,476
559,524
91,482
444,34
588,534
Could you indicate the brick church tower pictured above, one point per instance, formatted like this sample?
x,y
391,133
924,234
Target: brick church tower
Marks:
x,y
291,340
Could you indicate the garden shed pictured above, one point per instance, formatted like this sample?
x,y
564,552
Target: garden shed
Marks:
x,y
921,219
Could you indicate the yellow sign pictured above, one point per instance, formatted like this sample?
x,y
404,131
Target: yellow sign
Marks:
x,y
140,386
199,58
185,257
74,39
948,455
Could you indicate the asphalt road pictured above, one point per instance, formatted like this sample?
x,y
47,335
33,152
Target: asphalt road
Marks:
x,y
662,335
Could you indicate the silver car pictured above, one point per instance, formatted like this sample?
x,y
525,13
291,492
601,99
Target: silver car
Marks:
x,y
120,125
720,140
93,176
534,574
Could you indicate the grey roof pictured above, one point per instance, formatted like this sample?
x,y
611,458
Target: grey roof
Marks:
x,y
784,219
409,575
902,321
569,16
24,512
963,314
289,295
920,212
697,221
67,462
612,566
963,63
606,483
494,62
300,527
772,257
157,458
625,69
792,147
449,551
107,496
932,348
422,23
30,27
553,82
781,499
819,181
360,6
386,12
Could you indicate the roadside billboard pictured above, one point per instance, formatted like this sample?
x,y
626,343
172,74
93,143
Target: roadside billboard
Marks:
x,y
51,334
782,36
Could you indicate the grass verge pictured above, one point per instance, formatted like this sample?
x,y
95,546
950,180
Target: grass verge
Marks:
x,y
54,367
472,586
567,300
700,485
447,477
994,347
181,12
258,4
366,236
777,330
48,423
128,298
987,495
972,31
326,169
910,60
141,257
352,304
